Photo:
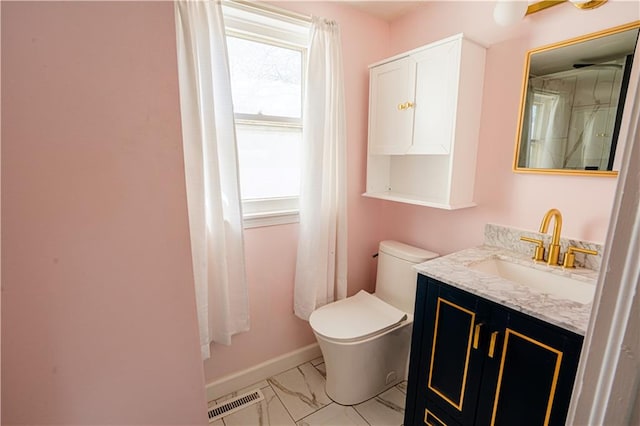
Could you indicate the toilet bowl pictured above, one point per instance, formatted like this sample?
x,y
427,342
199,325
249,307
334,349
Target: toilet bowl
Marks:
x,y
365,339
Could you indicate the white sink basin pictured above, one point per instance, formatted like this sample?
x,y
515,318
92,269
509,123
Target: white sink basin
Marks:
x,y
556,286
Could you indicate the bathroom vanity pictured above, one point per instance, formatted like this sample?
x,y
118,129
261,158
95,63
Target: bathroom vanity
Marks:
x,y
490,348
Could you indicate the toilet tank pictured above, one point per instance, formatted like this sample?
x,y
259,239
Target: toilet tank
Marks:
x,y
396,278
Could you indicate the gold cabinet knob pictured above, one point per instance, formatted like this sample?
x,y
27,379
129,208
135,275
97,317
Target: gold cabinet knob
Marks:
x,y
406,105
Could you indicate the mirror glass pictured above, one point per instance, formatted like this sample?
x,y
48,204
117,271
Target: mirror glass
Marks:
x,y
572,101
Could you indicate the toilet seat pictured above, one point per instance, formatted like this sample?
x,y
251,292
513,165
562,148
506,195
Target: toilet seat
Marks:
x,y
355,318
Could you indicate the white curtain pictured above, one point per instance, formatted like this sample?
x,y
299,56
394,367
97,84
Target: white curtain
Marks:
x,y
321,268
554,99
554,135
211,168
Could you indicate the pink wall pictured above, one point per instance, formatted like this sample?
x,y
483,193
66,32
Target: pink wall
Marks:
x,y
98,312
271,251
0,240
97,309
504,197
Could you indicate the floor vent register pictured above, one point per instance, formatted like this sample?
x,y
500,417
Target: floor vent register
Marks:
x,y
232,405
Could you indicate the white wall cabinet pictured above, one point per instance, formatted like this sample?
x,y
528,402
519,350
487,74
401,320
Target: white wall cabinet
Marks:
x,y
392,84
424,120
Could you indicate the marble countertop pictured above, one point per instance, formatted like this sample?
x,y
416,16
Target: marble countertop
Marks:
x,y
453,269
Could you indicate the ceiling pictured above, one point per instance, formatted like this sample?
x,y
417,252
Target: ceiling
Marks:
x,y
592,51
387,10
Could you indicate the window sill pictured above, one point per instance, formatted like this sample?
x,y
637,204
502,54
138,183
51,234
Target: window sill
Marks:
x,y
258,220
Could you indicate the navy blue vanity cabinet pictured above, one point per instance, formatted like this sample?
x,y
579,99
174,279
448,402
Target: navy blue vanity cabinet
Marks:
x,y
448,373
475,362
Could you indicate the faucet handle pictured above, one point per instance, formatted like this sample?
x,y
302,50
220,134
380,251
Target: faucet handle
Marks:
x,y
539,252
569,257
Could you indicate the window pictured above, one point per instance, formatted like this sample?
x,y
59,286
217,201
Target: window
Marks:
x,y
266,61
540,114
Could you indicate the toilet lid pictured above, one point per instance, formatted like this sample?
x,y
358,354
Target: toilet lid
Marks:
x,y
355,317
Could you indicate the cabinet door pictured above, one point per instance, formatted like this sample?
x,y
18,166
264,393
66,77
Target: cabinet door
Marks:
x,y
437,73
452,352
392,87
413,405
528,377
432,416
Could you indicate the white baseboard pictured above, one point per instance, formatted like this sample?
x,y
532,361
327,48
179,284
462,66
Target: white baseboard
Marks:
x,y
257,373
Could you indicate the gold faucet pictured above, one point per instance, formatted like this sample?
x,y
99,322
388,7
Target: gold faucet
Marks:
x,y
554,247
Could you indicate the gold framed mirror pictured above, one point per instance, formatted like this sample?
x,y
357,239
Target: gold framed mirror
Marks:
x,y
572,100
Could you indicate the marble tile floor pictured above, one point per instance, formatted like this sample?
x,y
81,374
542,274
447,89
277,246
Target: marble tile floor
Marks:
x,y
297,397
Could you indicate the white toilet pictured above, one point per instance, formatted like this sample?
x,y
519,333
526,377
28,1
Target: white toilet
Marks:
x,y
365,339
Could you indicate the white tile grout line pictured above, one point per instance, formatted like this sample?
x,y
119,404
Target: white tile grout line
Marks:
x,y
289,413
325,406
285,406
360,414
317,361
281,401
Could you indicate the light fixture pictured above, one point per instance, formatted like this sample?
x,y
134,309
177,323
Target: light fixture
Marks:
x,y
587,4
508,12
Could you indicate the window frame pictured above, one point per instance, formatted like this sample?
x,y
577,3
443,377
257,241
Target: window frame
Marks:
x,y
269,26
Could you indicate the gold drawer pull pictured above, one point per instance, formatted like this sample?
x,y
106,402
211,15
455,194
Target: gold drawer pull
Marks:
x,y
476,335
492,343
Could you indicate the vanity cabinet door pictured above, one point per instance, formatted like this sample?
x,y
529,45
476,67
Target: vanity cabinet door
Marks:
x,y
391,91
452,354
475,362
528,377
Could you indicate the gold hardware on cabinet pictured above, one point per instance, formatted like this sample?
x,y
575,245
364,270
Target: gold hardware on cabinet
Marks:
x,y
492,343
476,335
570,258
539,252
554,247
406,105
